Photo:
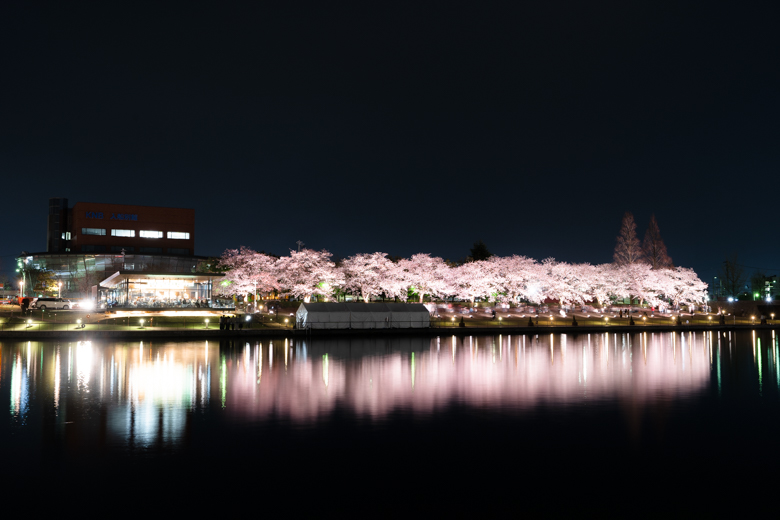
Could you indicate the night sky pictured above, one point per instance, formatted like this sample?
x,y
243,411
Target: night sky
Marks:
x,y
401,127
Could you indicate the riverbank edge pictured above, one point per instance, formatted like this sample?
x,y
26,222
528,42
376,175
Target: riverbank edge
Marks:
x,y
91,335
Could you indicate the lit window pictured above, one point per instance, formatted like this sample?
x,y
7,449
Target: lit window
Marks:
x,y
151,234
122,232
178,235
92,231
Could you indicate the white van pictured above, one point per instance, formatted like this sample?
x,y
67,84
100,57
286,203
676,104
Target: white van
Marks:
x,y
51,304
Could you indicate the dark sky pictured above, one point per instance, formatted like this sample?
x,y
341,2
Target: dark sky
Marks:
x,y
401,127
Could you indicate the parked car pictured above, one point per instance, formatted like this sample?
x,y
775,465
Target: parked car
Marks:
x,y
51,303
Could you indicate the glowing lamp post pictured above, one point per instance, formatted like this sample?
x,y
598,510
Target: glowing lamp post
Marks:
x,y
142,323
78,324
29,323
205,323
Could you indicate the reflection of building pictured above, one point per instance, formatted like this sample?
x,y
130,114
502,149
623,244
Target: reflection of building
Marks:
x,y
90,242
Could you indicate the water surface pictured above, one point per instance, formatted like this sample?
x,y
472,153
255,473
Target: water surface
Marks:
x,y
451,415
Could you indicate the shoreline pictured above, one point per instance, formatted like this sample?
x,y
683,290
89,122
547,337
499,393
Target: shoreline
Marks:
x,y
89,335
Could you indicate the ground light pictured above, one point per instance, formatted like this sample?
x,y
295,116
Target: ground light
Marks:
x,y
78,324
29,323
206,324
142,323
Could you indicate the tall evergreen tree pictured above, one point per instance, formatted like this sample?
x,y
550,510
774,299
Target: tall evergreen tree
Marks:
x,y
627,250
480,251
654,248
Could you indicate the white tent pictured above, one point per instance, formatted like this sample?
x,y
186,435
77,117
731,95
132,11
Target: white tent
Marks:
x,y
362,316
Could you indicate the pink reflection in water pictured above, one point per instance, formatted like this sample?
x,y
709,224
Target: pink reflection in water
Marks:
x,y
146,391
519,372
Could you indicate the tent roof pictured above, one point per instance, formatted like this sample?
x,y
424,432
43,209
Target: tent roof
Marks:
x,y
364,307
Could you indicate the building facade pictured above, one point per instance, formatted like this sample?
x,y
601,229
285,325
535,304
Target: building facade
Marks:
x,y
89,243
115,228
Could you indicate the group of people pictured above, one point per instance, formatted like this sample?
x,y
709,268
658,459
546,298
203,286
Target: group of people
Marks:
x,y
232,323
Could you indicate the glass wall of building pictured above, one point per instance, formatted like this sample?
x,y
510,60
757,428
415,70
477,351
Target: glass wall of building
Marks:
x,y
148,291
78,273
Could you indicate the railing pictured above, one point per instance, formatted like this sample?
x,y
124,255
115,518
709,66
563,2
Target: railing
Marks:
x,y
556,321
75,320
71,320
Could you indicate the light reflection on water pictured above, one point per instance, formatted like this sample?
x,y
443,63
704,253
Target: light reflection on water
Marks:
x,y
425,375
617,401
147,389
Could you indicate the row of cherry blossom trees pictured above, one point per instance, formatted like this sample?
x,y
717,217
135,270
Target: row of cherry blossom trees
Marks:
x,y
308,273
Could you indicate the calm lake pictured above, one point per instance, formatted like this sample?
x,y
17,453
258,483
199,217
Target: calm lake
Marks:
x,y
645,423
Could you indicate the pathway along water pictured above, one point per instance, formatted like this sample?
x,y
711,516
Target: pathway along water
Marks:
x,y
609,422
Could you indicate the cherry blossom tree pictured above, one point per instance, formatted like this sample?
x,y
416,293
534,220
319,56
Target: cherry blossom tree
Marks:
x,y
566,282
473,280
307,273
247,271
515,276
682,286
425,275
606,282
369,274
